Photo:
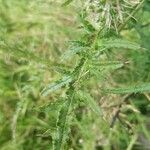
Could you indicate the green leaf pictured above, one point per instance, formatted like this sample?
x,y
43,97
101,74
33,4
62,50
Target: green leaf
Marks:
x,y
118,43
86,24
67,2
144,87
109,65
50,107
75,47
62,122
86,97
61,125
101,70
72,51
57,85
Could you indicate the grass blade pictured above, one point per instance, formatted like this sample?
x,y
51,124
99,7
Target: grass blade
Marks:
x,y
67,2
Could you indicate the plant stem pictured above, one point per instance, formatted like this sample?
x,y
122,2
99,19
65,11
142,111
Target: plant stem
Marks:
x,y
61,124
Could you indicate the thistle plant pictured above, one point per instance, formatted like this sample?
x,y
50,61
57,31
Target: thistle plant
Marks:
x,y
101,25
95,95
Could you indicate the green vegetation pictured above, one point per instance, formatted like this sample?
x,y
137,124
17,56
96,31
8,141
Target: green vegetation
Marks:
x,y
74,75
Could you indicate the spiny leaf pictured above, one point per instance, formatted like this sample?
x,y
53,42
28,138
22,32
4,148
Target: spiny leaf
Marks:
x,y
75,47
144,87
72,51
118,43
101,69
86,97
108,65
53,106
57,85
62,123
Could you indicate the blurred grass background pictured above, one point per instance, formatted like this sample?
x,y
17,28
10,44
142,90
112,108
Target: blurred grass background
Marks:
x,y
33,36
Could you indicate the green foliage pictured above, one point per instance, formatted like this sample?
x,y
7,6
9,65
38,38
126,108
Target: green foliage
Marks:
x,y
118,43
133,89
67,2
76,47
53,98
89,101
62,123
57,85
